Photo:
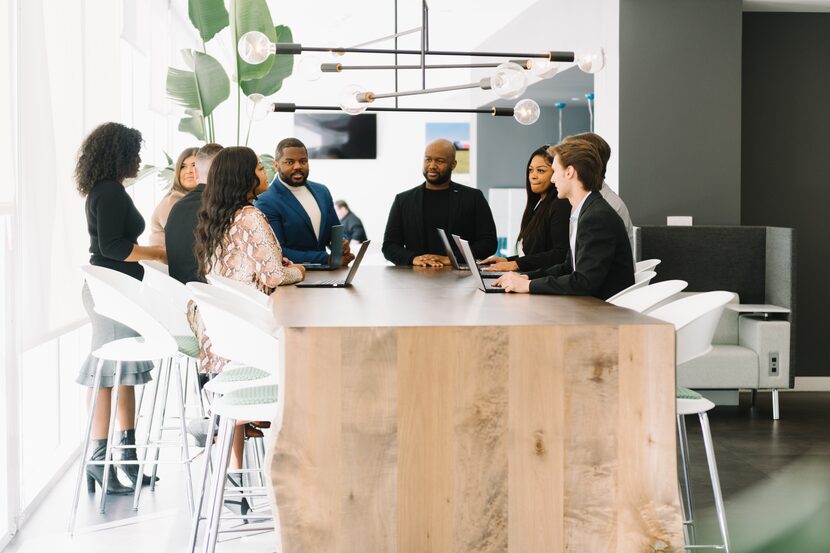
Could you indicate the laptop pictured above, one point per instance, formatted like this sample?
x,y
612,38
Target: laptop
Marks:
x,y
483,285
463,267
335,258
335,282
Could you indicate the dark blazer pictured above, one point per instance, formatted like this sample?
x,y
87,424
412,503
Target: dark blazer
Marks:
x,y
470,218
604,263
353,228
179,238
548,245
291,223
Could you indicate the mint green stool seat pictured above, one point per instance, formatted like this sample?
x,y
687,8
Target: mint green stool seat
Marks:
x,y
188,345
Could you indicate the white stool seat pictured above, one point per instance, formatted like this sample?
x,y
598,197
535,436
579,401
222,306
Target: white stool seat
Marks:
x,y
134,349
258,403
693,406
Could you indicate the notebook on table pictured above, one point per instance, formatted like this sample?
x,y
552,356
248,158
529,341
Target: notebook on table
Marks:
x,y
338,282
336,255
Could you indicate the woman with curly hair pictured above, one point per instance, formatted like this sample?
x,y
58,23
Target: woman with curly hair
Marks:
x,y
543,233
184,180
108,156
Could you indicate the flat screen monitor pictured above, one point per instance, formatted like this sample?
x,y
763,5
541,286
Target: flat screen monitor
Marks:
x,y
337,135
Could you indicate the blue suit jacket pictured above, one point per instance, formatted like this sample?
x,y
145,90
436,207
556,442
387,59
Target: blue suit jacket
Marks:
x,y
291,223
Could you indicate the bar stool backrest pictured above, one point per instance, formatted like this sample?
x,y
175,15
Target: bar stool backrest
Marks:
x,y
118,297
648,296
242,307
646,265
644,279
247,291
166,298
695,318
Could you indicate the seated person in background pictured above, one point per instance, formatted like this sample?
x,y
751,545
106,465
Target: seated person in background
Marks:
x,y
610,196
352,225
184,180
599,262
411,237
299,211
178,232
543,234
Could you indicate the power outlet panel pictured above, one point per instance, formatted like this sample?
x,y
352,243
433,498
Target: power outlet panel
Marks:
x,y
773,363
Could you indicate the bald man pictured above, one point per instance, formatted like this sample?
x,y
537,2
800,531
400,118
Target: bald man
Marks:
x,y
411,236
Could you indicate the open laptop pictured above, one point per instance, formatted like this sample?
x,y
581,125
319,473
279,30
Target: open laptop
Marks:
x,y
336,255
483,285
463,267
335,282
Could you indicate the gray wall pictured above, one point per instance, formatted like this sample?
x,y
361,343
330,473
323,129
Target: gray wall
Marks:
x,y
504,145
786,121
680,110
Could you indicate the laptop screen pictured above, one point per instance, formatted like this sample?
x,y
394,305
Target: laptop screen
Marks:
x,y
363,247
336,257
443,235
471,260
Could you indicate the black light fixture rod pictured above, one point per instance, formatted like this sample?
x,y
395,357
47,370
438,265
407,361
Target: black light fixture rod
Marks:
x,y
423,43
337,67
293,48
371,96
290,108
387,37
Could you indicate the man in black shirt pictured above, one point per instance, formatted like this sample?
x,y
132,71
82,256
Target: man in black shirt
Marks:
x,y
178,232
352,225
411,237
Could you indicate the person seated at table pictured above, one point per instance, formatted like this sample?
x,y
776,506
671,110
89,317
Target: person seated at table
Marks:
x,y
178,232
300,211
411,237
610,196
599,262
543,234
234,240
184,180
352,225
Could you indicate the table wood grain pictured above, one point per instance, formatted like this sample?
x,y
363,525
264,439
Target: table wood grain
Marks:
x,y
422,415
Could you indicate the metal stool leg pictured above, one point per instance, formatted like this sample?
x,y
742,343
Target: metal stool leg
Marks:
x,y
168,367
185,451
686,489
775,412
197,517
713,474
96,387
219,475
139,484
116,386
138,405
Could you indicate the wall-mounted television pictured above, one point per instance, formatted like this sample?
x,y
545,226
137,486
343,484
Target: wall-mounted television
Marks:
x,y
337,135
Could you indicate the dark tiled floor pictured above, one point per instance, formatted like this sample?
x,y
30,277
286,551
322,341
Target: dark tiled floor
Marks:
x,y
775,475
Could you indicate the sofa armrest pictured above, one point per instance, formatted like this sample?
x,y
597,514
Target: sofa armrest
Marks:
x,y
770,339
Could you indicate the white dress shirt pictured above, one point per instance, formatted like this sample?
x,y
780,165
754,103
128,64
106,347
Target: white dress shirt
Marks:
x,y
574,221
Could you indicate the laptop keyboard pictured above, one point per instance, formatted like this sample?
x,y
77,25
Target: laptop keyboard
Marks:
x,y
329,281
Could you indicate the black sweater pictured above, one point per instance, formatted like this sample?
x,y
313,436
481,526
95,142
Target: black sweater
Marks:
x,y
114,225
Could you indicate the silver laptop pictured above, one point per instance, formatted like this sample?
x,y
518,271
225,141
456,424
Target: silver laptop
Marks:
x,y
463,267
483,285
336,255
335,282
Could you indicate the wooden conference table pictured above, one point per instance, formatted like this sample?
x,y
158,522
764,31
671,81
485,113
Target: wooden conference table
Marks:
x,y
422,415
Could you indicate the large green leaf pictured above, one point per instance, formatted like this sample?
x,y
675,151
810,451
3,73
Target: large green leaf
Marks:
x,y
268,163
202,89
194,124
252,15
208,16
280,70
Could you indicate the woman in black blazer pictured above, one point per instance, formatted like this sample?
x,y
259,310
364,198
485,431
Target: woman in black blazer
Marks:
x,y
543,235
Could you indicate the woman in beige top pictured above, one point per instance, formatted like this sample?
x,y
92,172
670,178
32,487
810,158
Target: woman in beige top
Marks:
x,y
184,180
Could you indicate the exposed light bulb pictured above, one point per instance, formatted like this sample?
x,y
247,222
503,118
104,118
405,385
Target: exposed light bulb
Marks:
x,y
542,69
310,68
591,61
257,109
349,102
255,47
509,80
526,111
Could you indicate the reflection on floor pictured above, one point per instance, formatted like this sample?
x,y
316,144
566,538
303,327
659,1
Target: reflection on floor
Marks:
x,y
774,477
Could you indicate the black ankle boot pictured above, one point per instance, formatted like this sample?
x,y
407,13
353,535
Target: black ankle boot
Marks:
x,y
128,438
238,506
95,473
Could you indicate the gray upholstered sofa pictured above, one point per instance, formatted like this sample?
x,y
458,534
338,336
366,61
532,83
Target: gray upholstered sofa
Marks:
x,y
750,350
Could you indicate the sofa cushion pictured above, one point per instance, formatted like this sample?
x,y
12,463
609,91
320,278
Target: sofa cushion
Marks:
x,y
723,367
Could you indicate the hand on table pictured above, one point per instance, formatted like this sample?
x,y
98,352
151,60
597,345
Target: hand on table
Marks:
x,y
501,266
514,282
431,260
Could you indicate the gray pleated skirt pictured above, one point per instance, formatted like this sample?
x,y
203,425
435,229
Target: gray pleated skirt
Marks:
x,y
106,330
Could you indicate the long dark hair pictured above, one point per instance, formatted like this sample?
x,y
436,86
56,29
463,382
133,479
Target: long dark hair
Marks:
x,y
231,180
533,216
110,152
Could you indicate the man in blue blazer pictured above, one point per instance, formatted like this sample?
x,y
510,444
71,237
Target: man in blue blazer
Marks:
x,y
301,212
